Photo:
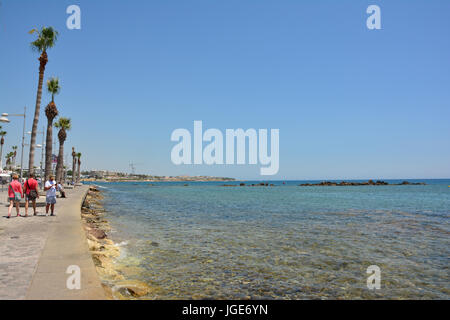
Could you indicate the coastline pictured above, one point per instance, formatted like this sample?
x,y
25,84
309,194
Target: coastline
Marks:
x,y
115,277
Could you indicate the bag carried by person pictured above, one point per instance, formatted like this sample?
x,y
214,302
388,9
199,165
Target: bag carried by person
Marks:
x,y
17,195
33,193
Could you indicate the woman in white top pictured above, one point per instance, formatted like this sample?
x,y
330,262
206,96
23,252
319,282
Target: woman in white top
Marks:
x,y
50,199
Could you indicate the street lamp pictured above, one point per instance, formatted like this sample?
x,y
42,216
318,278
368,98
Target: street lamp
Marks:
x,y
4,118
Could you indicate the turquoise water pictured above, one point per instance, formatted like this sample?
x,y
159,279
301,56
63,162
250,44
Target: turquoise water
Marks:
x,y
205,240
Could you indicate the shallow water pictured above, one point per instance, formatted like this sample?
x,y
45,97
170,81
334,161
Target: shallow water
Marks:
x,y
284,242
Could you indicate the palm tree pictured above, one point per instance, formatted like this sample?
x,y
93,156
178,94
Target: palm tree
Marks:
x,y
64,125
51,112
7,161
2,142
74,163
64,173
46,39
8,157
79,163
14,148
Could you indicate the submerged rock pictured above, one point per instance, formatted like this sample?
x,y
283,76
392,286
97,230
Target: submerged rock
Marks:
x,y
129,270
368,183
134,288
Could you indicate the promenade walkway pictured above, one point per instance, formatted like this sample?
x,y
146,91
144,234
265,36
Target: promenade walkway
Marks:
x,y
35,252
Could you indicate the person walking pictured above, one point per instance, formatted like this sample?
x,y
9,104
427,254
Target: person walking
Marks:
x,y
31,193
15,194
50,199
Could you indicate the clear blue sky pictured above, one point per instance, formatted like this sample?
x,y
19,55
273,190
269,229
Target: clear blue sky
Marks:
x,y
349,102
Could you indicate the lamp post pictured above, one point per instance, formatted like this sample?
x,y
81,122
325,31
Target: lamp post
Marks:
x,y
4,118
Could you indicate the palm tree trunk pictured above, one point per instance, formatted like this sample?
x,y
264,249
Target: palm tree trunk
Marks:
x,y
43,61
74,163
60,163
48,150
78,174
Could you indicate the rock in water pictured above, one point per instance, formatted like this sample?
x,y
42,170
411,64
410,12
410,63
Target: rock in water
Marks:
x,y
134,288
93,188
97,233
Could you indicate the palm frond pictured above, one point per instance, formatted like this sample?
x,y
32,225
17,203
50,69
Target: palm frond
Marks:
x,y
46,39
53,86
63,123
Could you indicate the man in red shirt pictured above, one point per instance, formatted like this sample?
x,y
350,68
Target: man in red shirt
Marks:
x,y
31,193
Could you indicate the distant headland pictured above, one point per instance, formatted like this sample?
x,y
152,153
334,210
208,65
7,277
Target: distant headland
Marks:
x,y
113,176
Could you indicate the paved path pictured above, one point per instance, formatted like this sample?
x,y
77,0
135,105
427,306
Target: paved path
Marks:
x,y
36,251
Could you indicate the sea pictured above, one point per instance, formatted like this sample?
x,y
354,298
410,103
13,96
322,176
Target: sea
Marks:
x,y
205,240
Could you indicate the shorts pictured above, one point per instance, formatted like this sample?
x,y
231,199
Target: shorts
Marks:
x,y
50,199
28,198
12,199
